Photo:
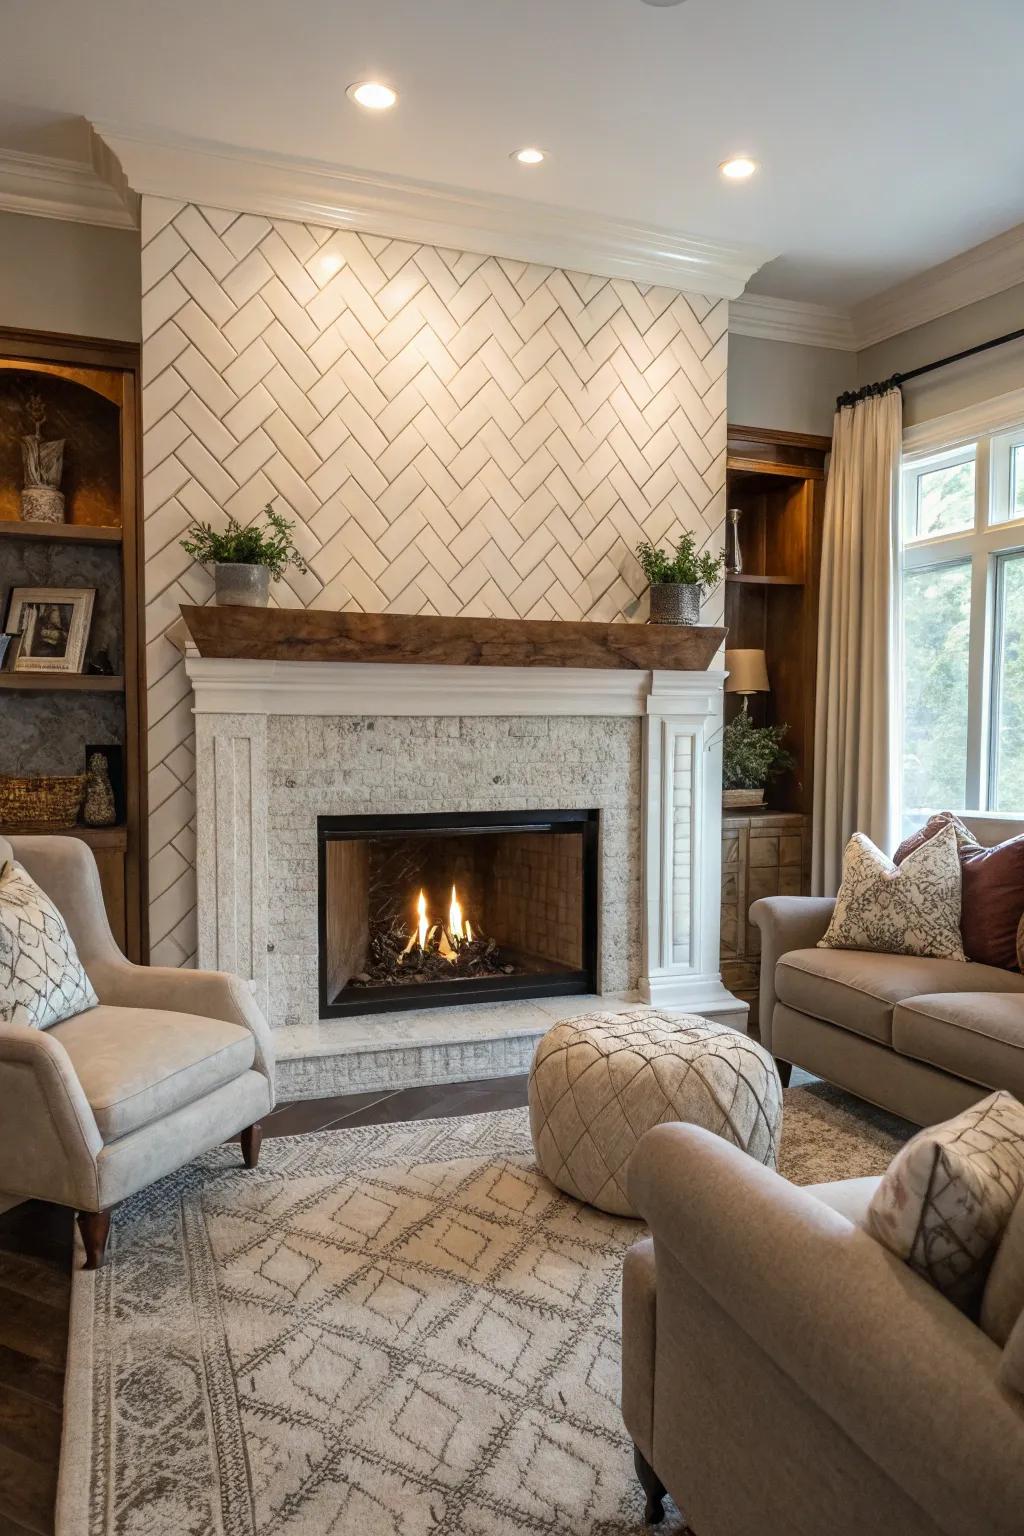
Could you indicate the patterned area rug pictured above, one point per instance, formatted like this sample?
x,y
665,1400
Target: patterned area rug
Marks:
x,y
390,1331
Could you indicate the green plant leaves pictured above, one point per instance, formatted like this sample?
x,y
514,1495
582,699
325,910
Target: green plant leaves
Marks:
x,y
685,567
270,545
753,754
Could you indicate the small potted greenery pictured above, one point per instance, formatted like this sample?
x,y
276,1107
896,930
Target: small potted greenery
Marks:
x,y
245,559
752,755
678,582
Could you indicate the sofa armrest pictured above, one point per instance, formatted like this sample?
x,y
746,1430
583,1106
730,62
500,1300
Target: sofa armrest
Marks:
x,y
49,1140
905,1375
210,994
786,922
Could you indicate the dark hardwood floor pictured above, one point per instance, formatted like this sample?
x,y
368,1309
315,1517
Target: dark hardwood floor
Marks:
x,y
35,1289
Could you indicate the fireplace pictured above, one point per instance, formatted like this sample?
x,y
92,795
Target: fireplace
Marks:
x,y
417,911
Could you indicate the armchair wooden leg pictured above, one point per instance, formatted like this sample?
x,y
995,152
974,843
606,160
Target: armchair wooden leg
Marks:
x,y
95,1229
652,1486
785,1071
252,1140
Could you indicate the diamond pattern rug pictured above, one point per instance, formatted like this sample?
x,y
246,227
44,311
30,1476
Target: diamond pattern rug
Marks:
x,y
388,1331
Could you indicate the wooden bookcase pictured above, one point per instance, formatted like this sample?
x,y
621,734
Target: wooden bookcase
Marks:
x,y
777,479
91,391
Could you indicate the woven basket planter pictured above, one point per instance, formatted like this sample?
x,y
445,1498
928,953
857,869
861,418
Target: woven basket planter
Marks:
x,y
733,798
41,804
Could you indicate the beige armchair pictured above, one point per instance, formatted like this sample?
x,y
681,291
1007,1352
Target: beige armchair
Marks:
x,y
171,1063
785,1375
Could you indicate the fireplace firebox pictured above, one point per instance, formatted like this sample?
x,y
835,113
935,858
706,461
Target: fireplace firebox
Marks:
x,y
417,911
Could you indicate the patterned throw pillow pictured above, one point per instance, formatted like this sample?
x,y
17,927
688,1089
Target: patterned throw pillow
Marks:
x,y
947,1197
992,905
41,977
913,910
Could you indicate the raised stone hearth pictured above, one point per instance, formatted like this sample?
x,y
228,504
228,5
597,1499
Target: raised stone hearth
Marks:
x,y
284,746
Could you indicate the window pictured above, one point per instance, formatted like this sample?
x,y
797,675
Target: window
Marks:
x,y
962,521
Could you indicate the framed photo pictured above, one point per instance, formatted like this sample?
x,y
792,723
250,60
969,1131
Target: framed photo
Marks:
x,y
54,626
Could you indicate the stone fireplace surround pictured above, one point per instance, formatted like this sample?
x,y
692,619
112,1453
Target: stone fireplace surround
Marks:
x,y
280,743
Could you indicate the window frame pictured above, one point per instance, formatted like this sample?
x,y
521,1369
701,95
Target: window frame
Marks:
x,y
994,535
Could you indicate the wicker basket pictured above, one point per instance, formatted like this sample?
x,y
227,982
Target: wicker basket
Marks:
x,y
42,804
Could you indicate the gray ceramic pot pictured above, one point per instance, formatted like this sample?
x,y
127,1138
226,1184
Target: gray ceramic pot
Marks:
x,y
242,585
672,603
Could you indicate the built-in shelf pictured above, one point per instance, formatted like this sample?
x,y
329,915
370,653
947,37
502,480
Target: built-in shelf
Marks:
x,y
71,533
765,581
60,682
96,837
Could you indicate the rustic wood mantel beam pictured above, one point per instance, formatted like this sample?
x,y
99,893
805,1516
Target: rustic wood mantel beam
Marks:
x,y
288,634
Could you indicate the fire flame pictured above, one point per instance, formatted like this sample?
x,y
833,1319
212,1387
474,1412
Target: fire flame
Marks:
x,y
455,917
446,942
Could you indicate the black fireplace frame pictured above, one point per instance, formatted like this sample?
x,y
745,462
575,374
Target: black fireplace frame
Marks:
x,y
486,989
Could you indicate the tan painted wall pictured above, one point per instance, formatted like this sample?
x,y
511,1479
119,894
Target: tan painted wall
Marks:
x,y
777,384
78,278
961,384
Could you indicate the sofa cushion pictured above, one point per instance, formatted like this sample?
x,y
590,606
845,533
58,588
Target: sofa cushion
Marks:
x,y
976,1035
1003,1301
1011,1365
850,1197
42,980
946,1199
857,990
136,1065
992,904
913,909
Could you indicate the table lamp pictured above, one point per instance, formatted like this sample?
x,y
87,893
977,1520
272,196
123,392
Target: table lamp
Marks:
x,y
748,673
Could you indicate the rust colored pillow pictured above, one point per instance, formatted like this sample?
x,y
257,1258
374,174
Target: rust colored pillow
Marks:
x,y
992,899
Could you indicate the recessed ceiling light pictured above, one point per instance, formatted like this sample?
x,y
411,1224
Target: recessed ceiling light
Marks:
x,y
528,156
372,94
663,2
738,168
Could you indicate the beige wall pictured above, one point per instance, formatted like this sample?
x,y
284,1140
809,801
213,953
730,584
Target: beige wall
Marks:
x,y
777,384
78,278
961,384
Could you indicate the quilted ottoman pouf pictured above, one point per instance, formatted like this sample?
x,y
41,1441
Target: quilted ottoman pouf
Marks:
x,y
598,1083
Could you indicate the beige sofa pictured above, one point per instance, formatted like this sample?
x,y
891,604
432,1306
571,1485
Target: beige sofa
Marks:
x,y
171,1063
923,1038
785,1375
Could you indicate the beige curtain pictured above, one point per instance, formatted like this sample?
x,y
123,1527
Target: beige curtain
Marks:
x,y
854,735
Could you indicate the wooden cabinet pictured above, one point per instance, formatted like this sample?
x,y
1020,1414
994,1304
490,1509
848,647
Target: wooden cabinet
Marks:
x,y
777,480
764,853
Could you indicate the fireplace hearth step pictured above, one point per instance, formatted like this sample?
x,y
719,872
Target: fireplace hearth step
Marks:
x,y
412,1049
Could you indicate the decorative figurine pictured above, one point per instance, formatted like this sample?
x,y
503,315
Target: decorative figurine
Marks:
x,y
42,501
98,809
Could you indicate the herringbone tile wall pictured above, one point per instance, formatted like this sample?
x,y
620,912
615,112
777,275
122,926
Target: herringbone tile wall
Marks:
x,y
451,433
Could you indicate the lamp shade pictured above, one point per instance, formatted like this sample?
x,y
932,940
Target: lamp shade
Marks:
x,y
748,672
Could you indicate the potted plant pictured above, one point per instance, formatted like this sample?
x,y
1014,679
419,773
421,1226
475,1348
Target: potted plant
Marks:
x,y
752,755
678,582
245,559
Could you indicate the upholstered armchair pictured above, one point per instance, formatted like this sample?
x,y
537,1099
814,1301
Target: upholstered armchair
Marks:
x,y
784,1374
171,1063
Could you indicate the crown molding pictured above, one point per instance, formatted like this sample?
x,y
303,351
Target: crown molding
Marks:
x,y
806,325
279,187
976,274
50,188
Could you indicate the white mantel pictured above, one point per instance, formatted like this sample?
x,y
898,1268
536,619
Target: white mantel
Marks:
x,y
236,702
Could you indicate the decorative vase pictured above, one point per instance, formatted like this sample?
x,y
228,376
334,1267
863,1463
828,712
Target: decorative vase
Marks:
x,y
732,799
43,463
733,553
245,586
674,603
98,809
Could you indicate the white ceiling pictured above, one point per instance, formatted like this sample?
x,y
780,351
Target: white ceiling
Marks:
x,y
888,131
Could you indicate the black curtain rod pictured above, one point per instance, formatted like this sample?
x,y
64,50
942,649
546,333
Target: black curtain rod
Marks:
x,y
852,396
